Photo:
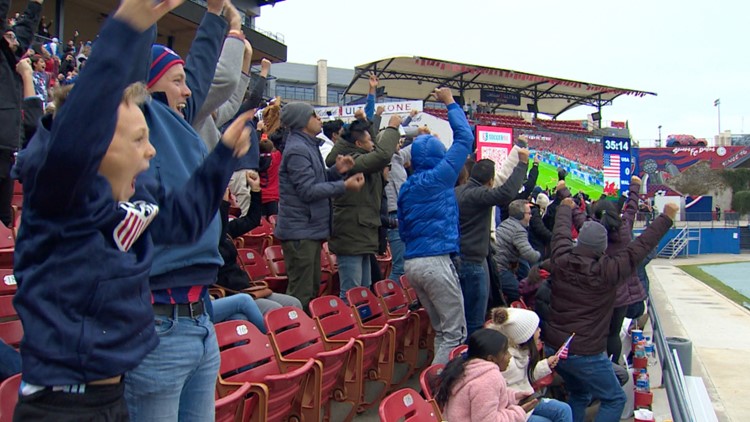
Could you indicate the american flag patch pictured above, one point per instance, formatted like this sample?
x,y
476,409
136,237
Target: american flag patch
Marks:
x,y
138,215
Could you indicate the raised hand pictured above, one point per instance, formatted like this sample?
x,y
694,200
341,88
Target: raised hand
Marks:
x,y
445,95
142,14
671,210
395,121
374,81
635,180
23,67
253,180
523,155
237,136
265,67
232,15
344,163
215,6
355,182
379,110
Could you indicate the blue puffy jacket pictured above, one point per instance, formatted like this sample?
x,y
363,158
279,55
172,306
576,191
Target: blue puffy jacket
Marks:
x,y
427,207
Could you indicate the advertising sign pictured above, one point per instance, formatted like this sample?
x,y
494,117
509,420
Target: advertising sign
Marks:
x,y
494,143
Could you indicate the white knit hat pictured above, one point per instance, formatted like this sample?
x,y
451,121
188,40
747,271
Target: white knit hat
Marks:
x,y
519,325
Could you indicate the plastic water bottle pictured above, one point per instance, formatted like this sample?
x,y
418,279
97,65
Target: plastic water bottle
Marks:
x,y
643,383
650,352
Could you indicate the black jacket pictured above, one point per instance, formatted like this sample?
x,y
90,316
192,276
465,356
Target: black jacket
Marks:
x,y
475,203
524,193
11,92
539,235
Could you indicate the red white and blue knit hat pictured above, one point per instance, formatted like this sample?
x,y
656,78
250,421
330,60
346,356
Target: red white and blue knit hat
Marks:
x,y
162,58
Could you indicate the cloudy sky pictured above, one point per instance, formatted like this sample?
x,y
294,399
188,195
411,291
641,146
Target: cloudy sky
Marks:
x,y
689,52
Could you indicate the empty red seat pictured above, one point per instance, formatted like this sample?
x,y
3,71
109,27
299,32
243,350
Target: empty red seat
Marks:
x,y
408,406
9,397
229,408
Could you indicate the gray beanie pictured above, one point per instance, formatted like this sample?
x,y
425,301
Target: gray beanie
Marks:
x,y
296,115
593,235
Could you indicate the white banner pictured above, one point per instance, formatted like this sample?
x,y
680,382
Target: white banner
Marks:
x,y
347,111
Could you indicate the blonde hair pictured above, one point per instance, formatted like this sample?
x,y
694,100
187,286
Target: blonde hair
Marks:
x,y
136,94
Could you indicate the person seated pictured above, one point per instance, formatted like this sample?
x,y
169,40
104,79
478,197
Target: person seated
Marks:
x,y
472,388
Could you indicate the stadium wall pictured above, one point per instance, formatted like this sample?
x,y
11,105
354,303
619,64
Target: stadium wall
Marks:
x,y
712,240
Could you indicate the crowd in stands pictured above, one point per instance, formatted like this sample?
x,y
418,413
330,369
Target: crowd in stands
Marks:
x,y
148,184
572,147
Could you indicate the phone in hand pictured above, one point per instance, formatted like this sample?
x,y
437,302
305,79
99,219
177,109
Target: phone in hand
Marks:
x,y
535,395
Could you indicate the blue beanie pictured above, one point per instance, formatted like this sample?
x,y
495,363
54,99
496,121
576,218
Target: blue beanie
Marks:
x,y
162,58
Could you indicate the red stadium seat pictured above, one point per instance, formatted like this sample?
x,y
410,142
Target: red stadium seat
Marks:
x,y
428,379
229,408
296,336
257,269
7,282
370,312
396,304
458,350
9,397
336,321
11,330
260,237
280,389
408,406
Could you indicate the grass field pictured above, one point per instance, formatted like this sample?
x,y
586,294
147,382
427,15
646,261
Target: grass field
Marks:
x,y
716,284
548,179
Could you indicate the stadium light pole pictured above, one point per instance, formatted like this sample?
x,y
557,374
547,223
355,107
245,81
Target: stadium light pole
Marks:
x,y
717,104
659,135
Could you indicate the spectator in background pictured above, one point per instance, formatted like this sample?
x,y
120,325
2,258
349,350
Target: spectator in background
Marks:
x,y
332,131
41,79
356,215
428,225
512,245
305,189
13,45
270,161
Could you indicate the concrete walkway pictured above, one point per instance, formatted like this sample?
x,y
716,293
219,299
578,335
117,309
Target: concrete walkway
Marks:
x,y
718,328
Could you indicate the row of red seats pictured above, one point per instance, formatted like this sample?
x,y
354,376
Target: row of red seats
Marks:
x,y
343,354
562,125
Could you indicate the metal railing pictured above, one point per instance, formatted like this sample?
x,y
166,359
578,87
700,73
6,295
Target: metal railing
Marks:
x,y
673,379
724,219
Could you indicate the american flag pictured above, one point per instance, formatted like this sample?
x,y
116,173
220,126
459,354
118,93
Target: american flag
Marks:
x,y
612,166
563,352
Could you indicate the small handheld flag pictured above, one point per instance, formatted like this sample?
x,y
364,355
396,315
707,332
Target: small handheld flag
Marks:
x,y
563,352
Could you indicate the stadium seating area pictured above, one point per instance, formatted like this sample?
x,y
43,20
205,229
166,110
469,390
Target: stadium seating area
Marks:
x,y
573,148
561,125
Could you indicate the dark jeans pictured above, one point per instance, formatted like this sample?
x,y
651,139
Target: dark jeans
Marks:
x,y
105,403
509,284
475,290
587,378
10,361
614,343
302,260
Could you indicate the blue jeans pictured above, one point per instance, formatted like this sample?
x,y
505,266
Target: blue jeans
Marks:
x,y
587,378
397,252
239,306
354,271
475,290
177,380
509,285
10,361
550,410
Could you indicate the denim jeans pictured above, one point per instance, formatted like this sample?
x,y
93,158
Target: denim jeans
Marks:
x,y
550,410
435,281
475,290
397,252
239,306
509,284
10,361
587,378
177,380
354,271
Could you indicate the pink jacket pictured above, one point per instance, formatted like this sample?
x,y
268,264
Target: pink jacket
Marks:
x,y
481,395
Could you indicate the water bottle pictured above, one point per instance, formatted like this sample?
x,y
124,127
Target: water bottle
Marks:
x,y
640,349
643,384
650,352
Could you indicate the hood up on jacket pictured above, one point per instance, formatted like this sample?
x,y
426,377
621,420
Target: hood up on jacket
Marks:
x,y
426,152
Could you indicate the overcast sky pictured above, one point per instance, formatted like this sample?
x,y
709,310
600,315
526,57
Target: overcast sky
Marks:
x,y
688,52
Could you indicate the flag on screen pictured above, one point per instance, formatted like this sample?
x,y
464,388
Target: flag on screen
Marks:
x,y
563,352
611,166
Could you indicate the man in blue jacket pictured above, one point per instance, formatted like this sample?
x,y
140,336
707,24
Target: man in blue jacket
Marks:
x,y
428,225
85,247
176,381
305,192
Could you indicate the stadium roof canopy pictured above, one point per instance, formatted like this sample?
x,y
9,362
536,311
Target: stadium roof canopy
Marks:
x,y
416,77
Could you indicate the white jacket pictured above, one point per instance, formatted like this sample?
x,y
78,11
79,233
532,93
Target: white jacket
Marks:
x,y
515,375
